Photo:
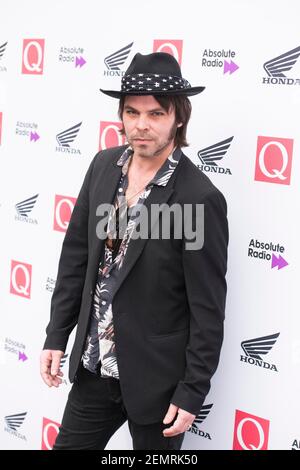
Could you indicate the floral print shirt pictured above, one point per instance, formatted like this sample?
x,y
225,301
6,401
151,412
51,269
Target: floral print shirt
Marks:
x,y
100,352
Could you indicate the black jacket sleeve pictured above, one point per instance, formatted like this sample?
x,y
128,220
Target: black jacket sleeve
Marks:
x,y
204,272
66,298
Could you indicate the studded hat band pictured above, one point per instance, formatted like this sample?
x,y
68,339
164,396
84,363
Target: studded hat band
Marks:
x,y
152,82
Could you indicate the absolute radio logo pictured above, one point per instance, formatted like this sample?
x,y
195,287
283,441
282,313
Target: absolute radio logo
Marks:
x,y
13,423
274,160
220,58
170,46
20,279
63,208
115,62
2,51
110,135
66,138
255,349
72,56
267,251
24,209
17,348
33,56
250,432
28,130
277,68
199,420
50,430
212,155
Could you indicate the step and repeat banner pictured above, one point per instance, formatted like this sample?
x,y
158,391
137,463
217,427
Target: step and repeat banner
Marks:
x,y
244,135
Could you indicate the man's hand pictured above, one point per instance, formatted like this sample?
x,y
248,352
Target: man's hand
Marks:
x,y
50,367
181,424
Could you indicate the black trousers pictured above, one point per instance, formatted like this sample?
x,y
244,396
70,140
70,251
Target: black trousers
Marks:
x,y
95,411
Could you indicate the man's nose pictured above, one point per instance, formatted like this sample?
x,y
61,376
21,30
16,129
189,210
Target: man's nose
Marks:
x,y
142,122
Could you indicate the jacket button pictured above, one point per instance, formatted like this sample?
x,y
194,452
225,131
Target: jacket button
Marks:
x,y
91,292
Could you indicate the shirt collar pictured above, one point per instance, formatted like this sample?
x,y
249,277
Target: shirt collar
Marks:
x,y
162,175
128,152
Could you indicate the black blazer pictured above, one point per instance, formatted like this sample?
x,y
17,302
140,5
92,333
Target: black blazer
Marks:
x,y
169,303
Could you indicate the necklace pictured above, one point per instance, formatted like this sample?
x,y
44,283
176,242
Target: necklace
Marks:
x,y
132,196
137,192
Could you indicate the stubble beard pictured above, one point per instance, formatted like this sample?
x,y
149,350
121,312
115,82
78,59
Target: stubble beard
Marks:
x,y
143,152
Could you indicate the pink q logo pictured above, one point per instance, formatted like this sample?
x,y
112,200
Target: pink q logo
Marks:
x,y
33,56
274,160
110,136
250,432
170,46
49,433
63,209
20,280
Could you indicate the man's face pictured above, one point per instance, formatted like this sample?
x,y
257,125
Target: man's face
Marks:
x,y
149,128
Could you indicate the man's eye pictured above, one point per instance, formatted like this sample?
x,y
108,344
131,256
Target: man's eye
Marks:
x,y
157,113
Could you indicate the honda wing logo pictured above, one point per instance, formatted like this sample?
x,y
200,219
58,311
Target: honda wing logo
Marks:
x,y
115,60
2,49
202,415
281,64
255,349
276,69
63,360
209,157
65,138
13,422
258,347
61,365
216,152
25,207
199,419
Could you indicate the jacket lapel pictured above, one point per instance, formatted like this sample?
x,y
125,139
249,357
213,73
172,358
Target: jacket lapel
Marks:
x,y
106,187
158,195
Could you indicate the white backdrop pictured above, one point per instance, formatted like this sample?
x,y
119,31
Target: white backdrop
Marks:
x,y
54,56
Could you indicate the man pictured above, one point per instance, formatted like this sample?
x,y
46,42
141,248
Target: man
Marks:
x,y
149,309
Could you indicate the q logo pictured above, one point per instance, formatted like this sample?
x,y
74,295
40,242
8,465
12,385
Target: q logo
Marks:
x,y
49,433
250,432
170,46
33,56
20,279
274,160
63,208
110,136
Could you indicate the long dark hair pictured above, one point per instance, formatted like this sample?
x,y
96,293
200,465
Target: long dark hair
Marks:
x,y
182,107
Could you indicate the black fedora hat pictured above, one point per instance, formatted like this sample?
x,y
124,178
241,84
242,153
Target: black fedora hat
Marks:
x,y
154,74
